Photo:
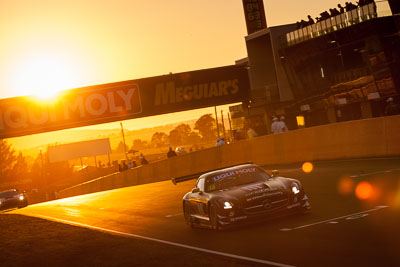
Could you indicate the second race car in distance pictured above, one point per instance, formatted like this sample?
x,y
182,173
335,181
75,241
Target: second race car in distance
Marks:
x,y
242,193
12,199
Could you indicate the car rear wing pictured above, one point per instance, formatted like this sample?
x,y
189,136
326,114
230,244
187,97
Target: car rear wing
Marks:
x,y
186,178
197,175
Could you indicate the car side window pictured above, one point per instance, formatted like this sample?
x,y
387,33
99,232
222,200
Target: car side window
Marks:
x,y
200,184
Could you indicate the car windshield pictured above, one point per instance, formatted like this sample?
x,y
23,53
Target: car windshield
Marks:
x,y
235,177
7,194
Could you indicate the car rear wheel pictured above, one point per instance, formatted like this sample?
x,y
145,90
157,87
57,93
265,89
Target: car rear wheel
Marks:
x,y
214,222
187,213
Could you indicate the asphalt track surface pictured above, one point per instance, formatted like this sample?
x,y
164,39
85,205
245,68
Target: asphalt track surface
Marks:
x,y
342,229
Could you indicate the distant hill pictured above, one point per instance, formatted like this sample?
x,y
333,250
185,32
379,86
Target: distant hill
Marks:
x,y
29,145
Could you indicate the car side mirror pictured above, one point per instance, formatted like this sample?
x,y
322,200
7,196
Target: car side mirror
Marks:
x,y
275,173
196,190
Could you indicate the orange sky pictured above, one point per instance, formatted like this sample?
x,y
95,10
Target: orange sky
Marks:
x,y
61,44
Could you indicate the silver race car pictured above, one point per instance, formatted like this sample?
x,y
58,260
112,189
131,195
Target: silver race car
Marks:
x,y
242,193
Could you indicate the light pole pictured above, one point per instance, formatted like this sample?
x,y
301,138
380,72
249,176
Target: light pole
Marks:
x,y
230,127
123,138
216,120
43,172
41,161
223,125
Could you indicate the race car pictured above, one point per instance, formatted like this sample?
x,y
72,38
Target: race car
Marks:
x,y
242,193
12,199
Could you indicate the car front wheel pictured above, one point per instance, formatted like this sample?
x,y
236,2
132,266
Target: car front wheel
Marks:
x,y
214,221
187,213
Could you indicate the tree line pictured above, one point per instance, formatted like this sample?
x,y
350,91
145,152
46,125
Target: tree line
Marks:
x,y
14,167
204,131
17,170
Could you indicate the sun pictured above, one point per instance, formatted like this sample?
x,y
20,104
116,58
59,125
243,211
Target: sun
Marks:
x,y
44,74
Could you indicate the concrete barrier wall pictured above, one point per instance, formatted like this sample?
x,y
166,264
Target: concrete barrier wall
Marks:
x,y
378,137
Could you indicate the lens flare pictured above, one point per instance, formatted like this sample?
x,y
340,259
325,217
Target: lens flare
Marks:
x,y
346,186
307,167
396,198
364,190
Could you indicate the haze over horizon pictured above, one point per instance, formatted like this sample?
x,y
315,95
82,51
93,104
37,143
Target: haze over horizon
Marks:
x,y
87,133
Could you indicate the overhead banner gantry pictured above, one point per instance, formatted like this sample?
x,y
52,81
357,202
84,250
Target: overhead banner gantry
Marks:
x,y
124,100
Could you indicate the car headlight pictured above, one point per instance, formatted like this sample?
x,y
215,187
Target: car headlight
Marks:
x,y
227,205
295,188
21,197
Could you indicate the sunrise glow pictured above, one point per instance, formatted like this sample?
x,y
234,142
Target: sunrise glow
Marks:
x,y
45,73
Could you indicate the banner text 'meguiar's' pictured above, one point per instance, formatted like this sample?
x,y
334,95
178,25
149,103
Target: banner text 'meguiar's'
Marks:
x,y
124,100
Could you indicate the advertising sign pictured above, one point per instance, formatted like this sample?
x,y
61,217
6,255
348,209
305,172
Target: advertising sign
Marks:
x,y
79,150
124,100
236,111
255,15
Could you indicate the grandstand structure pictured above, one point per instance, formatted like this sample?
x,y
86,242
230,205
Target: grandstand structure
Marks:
x,y
339,69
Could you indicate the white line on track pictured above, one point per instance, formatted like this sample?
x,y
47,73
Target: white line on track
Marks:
x,y
287,170
334,219
160,241
360,159
372,173
173,215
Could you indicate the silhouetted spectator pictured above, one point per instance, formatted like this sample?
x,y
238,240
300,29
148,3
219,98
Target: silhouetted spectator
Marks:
x,y
325,15
275,126
361,2
303,23
238,135
251,133
350,6
124,166
132,164
334,12
143,160
310,20
220,141
341,9
282,124
347,6
391,107
171,153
